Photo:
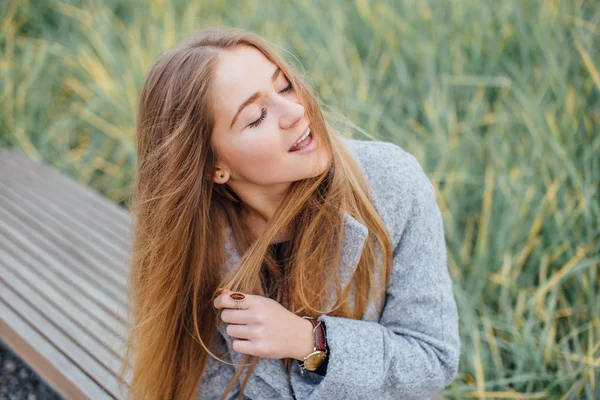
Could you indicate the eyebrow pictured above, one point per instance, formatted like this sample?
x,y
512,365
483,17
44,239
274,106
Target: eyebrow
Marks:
x,y
253,98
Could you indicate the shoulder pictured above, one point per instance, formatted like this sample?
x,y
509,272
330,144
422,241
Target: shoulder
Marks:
x,y
396,179
377,155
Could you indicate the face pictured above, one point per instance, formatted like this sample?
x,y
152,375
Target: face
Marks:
x,y
258,119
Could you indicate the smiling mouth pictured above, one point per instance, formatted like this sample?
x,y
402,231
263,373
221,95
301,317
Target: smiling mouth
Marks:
x,y
303,141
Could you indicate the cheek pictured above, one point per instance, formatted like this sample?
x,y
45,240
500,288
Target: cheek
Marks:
x,y
257,154
259,145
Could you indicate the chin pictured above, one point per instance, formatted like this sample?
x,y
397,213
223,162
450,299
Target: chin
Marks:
x,y
318,167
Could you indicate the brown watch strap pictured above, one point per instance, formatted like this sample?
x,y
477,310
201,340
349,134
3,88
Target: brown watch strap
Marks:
x,y
319,334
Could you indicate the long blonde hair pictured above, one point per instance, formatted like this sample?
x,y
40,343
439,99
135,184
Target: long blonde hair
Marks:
x,y
180,217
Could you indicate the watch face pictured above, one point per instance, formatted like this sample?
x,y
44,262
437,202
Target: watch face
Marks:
x,y
314,359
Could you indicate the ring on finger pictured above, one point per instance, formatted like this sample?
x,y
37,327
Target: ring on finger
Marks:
x,y
237,298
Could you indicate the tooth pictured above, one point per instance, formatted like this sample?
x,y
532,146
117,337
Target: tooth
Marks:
x,y
304,137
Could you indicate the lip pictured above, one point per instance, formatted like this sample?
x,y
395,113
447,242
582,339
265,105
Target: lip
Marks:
x,y
298,138
309,148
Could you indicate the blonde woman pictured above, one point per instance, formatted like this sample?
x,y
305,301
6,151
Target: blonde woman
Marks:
x,y
272,257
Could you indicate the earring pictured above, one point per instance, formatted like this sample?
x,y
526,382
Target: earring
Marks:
x,y
221,176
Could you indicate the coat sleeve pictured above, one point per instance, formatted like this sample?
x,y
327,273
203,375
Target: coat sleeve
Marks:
x,y
413,351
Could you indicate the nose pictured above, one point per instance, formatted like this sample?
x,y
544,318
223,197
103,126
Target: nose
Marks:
x,y
291,113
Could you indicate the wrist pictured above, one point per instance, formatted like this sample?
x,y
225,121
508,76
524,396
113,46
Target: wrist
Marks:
x,y
306,341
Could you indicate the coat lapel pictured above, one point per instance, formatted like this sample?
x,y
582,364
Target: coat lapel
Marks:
x,y
270,376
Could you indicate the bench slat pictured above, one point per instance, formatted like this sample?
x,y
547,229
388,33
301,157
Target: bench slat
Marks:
x,y
58,235
30,267
33,266
114,217
76,333
110,251
68,314
64,260
23,238
19,316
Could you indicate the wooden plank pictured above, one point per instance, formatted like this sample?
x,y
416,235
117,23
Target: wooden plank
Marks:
x,y
50,355
64,259
51,271
29,268
45,182
48,362
71,247
88,364
94,338
78,336
22,237
112,252
83,197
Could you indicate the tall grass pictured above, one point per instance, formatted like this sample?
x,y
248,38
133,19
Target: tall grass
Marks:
x,y
499,101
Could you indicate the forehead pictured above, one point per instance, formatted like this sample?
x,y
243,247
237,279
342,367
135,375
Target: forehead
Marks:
x,y
239,73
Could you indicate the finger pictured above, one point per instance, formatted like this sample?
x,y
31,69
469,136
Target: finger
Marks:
x,y
220,294
243,346
239,331
225,301
217,293
236,316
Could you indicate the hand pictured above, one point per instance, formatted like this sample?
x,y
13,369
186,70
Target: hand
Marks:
x,y
264,328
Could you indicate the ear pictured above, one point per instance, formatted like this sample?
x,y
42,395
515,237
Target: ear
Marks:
x,y
220,177
215,175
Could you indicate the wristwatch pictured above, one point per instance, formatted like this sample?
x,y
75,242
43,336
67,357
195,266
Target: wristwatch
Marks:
x,y
319,354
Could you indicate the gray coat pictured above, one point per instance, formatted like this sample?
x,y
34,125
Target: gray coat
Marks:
x,y
409,351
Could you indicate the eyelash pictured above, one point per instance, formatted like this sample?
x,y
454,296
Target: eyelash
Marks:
x,y
263,112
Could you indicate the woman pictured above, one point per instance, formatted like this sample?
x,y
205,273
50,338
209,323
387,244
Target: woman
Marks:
x,y
241,184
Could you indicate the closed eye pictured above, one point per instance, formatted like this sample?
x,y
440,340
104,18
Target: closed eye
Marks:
x,y
263,112
288,88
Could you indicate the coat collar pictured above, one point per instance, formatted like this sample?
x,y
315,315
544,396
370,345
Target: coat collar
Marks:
x,y
270,375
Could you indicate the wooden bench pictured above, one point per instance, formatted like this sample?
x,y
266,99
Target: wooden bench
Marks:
x,y
63,269
64,252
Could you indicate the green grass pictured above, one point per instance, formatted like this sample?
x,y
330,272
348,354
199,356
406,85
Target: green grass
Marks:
x,y
499,101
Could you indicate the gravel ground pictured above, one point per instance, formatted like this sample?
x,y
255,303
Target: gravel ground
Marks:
x,y
18,381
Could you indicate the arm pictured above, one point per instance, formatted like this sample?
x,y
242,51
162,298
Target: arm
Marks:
x,y
413,352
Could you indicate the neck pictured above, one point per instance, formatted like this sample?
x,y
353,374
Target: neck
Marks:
x,y
257,225
260,202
